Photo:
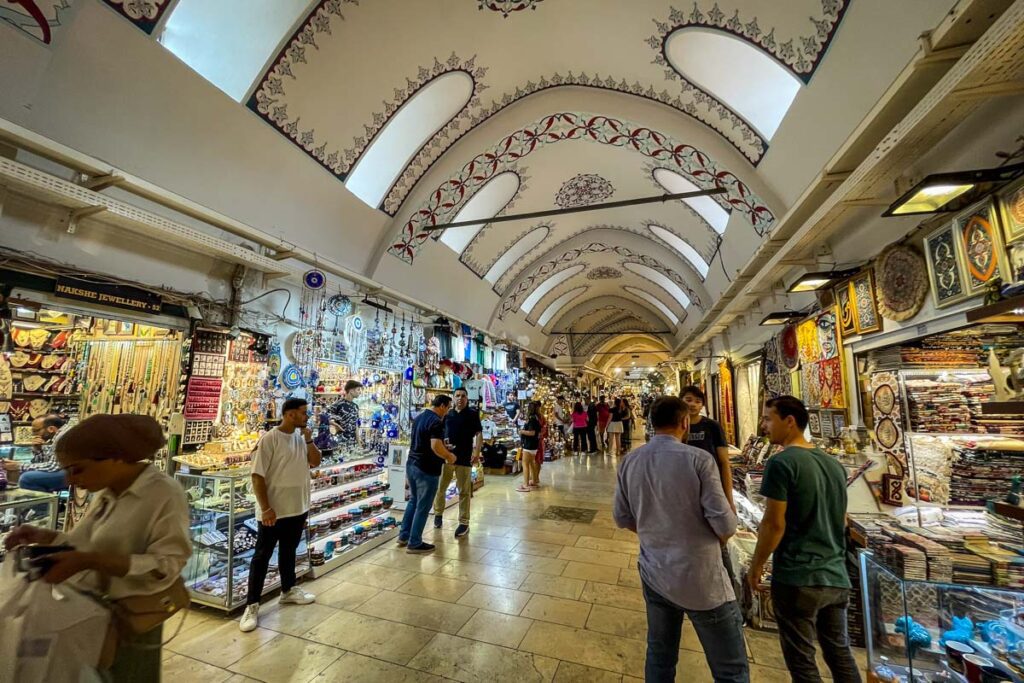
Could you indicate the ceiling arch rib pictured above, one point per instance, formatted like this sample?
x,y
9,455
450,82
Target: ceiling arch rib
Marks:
x,y
558,304
654,301
488,201
549,284
706,207
661,280
521,248
583,315
684,248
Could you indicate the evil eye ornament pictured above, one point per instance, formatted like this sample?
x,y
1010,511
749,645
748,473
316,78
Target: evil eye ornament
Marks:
x,y
393,431
314,279
409,374
291,378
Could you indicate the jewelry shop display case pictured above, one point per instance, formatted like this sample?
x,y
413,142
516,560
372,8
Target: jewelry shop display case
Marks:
x,y
20,506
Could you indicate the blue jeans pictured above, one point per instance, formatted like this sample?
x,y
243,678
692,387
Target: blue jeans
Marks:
x,y
422,489
720,631
47,482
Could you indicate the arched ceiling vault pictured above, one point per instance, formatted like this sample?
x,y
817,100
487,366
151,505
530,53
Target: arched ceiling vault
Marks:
x,y
618,352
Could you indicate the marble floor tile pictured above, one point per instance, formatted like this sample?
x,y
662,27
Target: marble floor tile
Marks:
x,y
619,655
177,667
387,640
471,661
400,559
345,595
529,563
577,673
618,622
592,572
374,575
496,628
602,557
490,542
555,586
527,533
241,678
591,531
417,611
630,578
502,577
557,610
222,644
295,619
537,548
625,535
355,668
614,596
286,659
453,549
625,547
436,587
496,599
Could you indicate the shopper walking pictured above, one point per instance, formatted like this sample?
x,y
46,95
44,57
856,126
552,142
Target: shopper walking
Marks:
x,y
804,525
591,425
614,430
579,428
604,416
463,435
670,495
427,455
627,425
345,414
281,483
530,436
43,473
134,537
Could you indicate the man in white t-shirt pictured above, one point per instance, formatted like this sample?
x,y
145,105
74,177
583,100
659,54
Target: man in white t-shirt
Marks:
x,y
281,483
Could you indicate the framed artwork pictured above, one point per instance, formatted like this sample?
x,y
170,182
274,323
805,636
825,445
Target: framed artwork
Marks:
x,y
827,427
814,423
892,489
844,302
1011,211
838,422
945,267
865,304
983,256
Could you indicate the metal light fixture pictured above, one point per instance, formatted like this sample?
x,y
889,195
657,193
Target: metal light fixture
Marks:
x,y
780,317
812,282
949,192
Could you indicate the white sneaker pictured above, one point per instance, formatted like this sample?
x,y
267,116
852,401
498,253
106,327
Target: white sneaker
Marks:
x,y
250,619
297,596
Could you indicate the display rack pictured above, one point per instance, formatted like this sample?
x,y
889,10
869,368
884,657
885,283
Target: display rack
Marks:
x,y
20,506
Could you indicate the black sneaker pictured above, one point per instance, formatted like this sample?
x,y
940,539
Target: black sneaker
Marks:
x,y
402,544
438,520
461,530
421,548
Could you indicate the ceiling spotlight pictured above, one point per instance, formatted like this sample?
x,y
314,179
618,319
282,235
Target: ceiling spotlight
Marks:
x,y
946,192
812,282
780,317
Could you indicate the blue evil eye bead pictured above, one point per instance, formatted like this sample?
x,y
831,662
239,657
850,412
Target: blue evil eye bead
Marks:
x,y
392,410
393,431
314,279
408,374
366,381
376,378
291,378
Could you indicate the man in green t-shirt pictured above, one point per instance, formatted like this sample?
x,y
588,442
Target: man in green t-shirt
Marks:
x,y
804,524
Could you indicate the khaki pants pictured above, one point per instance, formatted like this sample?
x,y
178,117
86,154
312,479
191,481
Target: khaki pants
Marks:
x,y
463,481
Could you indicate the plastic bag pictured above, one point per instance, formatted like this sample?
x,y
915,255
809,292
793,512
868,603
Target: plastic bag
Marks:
x,y
48,633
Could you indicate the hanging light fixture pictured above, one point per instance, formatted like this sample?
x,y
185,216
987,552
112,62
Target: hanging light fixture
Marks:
x,y
949,192
812,282
780,317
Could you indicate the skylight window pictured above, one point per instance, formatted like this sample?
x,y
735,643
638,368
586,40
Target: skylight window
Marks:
x,y
485,204
549,284
738,74
228,42
659,279
416,122
683,247
708,208
518,250
558,304
654,301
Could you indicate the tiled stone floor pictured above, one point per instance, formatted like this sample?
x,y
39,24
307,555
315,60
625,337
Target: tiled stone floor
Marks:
x,y
519,599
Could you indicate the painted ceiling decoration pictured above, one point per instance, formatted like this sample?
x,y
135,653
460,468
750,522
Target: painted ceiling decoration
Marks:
x,y
654,301
494,198
618,323
700,262
560,345
604,273
558,304
660,278
544,271
145,14
37,18
446,200
712,212
516,250
507,7
582,190
547,283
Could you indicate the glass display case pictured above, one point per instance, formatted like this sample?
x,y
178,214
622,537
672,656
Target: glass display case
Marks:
x,y
223,526
21,506
919,631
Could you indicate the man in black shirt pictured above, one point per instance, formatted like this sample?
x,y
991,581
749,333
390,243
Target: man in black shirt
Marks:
x,y
427,454
463,434
345,413
591,426
708,435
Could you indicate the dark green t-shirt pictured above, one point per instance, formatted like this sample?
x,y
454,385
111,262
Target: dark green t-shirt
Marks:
x,y
813,486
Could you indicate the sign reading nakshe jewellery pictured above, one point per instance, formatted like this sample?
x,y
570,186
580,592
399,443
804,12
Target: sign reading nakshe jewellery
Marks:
x,y
106,294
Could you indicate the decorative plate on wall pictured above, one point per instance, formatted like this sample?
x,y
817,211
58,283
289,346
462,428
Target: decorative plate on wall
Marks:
x,y
901,282
790,347
884,399
887,432
291,378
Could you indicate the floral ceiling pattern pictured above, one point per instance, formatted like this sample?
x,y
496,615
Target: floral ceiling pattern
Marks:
x,y
145,14
583,190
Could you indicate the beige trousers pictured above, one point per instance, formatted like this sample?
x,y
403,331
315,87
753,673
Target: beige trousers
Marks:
x,y
463,481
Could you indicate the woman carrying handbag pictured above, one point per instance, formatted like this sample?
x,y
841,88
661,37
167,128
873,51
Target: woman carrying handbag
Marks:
x,y
132,543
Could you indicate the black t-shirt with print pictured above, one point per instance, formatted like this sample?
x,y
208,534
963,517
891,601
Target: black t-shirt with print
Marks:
x,y
707,435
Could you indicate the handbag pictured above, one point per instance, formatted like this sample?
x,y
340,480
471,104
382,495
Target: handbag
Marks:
x,y
138,614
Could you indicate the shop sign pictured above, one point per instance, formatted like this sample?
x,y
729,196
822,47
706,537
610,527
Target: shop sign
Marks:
x,y
116,296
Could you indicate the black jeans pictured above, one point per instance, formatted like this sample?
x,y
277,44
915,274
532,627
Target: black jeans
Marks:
x,y
592,438
802,611
579,438
286,534
720,631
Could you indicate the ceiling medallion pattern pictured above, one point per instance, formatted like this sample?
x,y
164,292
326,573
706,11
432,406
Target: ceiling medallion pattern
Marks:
x,y
560,345
583,190
145,14
549,267
800,54
692,163
507,7
604,273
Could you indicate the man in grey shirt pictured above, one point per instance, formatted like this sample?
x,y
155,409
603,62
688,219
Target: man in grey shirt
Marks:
x,y
671,495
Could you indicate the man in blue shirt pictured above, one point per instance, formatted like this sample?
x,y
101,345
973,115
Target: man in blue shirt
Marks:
x,y
671,495
427,455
